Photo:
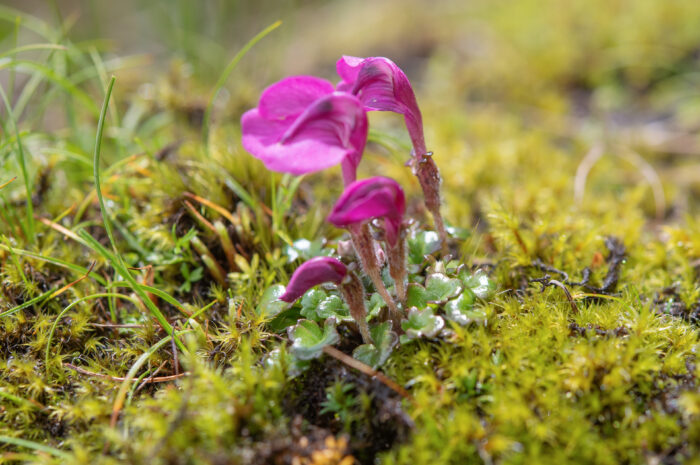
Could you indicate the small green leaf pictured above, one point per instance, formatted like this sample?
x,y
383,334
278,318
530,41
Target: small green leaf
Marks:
x,y
461,310
459,233
270,305
375,304
334,306
440,287
480,284
306,249
416,296
310,303
421,323
284,319
308,339
376,354
420,244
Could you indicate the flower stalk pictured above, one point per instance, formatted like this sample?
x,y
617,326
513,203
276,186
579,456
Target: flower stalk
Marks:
x,y
364,247
326,269
425,169
354,295
396,255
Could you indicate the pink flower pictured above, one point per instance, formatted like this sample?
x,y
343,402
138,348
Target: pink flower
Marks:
x,y
376,197
302,125
311,273
381,85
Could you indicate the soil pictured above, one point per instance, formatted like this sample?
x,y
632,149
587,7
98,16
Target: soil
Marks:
x,y
383,424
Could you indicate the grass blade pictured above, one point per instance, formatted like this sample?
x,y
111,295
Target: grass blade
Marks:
x,y
224,76
22,166
34,446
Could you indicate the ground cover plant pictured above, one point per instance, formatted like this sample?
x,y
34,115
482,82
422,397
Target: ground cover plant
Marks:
x,y
178,287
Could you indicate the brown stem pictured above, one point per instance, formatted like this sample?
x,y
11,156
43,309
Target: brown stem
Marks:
x,y
369,371
426,170
397,266
354,295
364,246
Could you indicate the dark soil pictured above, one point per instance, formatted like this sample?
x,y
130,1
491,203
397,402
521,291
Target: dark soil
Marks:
x,y
381,426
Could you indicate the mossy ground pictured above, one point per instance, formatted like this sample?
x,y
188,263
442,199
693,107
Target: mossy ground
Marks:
x,y
556,125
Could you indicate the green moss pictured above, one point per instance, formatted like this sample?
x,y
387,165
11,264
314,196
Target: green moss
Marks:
x,y
517,97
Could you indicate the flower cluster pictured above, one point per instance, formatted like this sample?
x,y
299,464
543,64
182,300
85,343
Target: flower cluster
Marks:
x,y
305,124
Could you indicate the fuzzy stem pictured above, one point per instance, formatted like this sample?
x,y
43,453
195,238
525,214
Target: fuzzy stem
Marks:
x,y
397,266
426,170
364,246
354,296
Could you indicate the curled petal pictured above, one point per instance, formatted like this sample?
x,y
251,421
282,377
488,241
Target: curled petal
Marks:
x,y
383,86
291,96
331,130
376,197
312,273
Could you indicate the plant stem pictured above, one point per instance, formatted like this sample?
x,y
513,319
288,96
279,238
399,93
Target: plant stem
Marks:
x,y
397,266
364,246
426,170
354,295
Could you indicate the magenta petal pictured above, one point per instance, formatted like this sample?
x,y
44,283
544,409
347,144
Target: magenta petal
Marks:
x,y
330,130
376,197
261,138
312,273
348,67
291,96
383,86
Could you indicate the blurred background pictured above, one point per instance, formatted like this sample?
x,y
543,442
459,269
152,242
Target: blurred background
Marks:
x,y
610,86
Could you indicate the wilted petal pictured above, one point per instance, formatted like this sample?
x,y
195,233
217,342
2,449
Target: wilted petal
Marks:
x,y
376,197
312,273
383,86
291,96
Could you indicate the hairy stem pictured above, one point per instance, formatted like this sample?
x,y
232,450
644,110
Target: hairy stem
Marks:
x,y
354,296
397,266
364,246
426,170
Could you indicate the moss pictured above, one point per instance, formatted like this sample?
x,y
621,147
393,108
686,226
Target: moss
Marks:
x,y
556,128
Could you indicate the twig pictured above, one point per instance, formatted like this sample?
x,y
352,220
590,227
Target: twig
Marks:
x,y
160,379
152,377
176,361
116,325
369,371
218,208
553,282
69,285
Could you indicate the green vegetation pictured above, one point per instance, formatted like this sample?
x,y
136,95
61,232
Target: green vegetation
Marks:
x,y
139,245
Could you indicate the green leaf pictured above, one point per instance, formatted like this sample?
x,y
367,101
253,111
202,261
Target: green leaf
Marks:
x,y
416,296
308,339
334,306
459,233
270,305
421,244
306,249
284,319
439,287
310,302
461,310
375,305
376,354
421,323
479,282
